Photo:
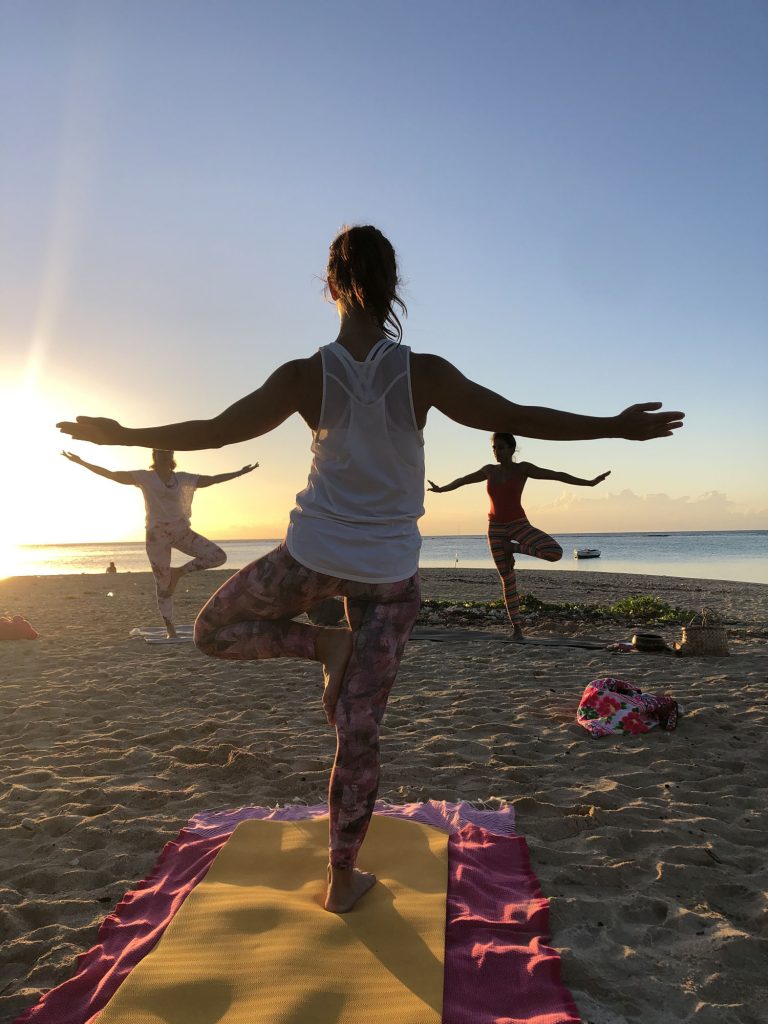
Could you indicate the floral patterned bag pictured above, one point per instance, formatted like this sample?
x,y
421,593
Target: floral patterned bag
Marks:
x,y
610,705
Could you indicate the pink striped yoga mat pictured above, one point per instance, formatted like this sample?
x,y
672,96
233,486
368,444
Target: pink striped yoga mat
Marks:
x,y
498,968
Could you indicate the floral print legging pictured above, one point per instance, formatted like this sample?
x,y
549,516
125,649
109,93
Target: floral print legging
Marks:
x,y
161,538
250,618
530,541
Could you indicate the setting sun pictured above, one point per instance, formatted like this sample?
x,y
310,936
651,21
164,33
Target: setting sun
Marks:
x,y
45,502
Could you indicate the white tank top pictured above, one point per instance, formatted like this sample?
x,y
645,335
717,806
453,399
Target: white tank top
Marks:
x,y
166,502
357,518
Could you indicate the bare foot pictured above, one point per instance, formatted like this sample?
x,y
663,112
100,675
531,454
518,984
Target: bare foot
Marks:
x,y
170,629
334,649
345,887
176,574
518,636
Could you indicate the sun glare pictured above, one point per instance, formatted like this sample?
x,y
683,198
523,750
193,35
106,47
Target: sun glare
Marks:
x,y
46,501
29,434
9,560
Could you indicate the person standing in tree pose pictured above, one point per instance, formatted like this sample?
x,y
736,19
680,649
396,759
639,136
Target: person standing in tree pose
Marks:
x,y
509,531
168,502
354,530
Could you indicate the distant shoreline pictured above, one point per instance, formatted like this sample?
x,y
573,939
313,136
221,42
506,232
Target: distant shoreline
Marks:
x,y
738,555
425,536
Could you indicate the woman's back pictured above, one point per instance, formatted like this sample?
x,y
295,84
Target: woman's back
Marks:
x,y
357,517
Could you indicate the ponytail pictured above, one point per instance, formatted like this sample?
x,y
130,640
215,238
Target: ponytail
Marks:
x,y
362,270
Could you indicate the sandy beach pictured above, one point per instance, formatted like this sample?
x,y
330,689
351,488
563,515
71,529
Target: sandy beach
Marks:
x,y
651,848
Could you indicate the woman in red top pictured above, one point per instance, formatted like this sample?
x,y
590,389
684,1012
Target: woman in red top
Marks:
x,y
508,528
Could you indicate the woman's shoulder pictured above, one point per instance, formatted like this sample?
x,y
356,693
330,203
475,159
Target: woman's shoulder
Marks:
x,y
303,372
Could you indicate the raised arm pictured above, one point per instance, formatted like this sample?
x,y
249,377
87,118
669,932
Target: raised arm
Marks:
x,y
470,478
293,387
118,477
221,478
537,473
438,383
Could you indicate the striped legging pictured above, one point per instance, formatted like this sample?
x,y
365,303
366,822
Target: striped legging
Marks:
x,y
530,541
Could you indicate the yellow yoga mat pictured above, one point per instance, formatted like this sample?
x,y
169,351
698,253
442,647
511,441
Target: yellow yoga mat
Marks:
x,y
252,943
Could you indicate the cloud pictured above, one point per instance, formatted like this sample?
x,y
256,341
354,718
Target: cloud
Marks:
x,y
574,512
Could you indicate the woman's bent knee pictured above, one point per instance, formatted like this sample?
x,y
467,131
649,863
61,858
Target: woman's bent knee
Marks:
x,y
216,558
552,554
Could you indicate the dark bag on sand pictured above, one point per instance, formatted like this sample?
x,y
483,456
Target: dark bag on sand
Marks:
x,y
649,642
705,634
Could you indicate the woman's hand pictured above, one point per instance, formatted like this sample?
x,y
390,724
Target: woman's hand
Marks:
x,y
599,479
248,469
434,487
641,423
95,429
72,457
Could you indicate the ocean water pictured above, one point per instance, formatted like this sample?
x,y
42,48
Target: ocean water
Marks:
x,y
719,555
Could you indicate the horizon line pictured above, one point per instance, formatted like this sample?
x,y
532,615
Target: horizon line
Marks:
x,y
426,536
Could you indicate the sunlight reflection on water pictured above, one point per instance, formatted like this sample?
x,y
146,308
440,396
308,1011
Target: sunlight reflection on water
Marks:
x,y
740,556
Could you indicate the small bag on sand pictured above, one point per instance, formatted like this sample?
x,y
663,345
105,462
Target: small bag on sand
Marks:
x,y
649,642
704,634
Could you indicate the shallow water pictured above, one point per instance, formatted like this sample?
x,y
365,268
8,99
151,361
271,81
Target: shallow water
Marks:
x,y
724,555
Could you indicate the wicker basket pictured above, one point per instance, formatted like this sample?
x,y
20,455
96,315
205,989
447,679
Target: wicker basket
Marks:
x,y
704,634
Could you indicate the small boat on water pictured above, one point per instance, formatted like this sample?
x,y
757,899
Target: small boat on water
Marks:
x,y
586,552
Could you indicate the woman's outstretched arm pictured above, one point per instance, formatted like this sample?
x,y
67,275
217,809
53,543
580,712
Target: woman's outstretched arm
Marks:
x,y
438,383
288,390
116,475
221,478
537,473
470,478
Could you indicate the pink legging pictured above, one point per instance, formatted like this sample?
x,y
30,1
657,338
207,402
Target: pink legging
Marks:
x,y
530,541
161,539
249,618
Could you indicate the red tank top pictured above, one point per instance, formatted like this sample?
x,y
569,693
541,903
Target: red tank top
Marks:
x,y
505,499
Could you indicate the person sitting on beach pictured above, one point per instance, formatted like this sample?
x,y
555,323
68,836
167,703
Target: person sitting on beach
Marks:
x,y
509,531
168,502
354,529
111,568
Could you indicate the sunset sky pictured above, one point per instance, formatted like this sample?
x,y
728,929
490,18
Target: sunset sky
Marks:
x,y
576,191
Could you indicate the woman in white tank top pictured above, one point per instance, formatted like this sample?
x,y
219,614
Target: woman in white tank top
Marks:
x,y
353,532
168,504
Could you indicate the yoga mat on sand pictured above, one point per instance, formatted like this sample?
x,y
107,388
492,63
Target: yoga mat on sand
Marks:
x,y
157,635
497,964
449,636
253,945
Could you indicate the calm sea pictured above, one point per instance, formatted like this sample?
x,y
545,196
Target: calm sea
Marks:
x,y
731,555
